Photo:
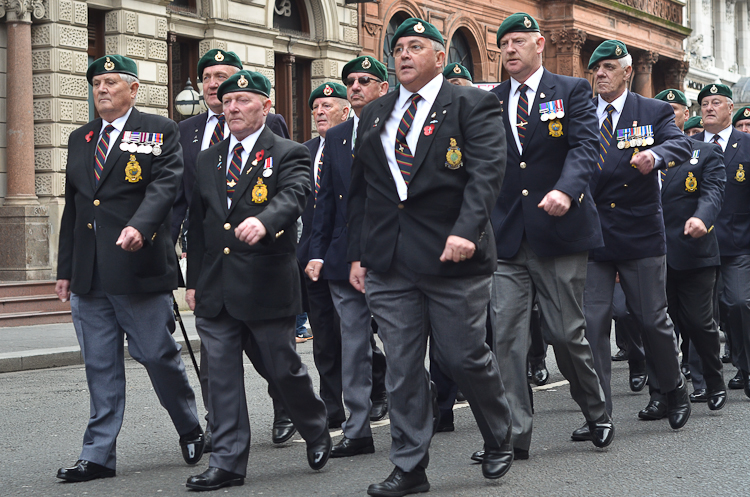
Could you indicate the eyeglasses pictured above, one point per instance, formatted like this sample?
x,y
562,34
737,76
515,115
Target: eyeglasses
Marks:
x,y
414,49
363,80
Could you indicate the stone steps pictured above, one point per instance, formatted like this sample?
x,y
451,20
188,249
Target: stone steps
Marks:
x,y
30,303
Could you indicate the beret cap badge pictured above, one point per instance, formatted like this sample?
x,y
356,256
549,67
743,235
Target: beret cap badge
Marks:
x,y
219,57
109,65
457,69
746,113
670,96
713,89
419,28
366,64
618,51
242,82
328,91
527,22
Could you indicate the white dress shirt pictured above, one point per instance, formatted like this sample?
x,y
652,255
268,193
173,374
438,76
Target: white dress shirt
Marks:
x,y
118,124
318,161
533,83
247,146
724,136
428,93
211,122
618,104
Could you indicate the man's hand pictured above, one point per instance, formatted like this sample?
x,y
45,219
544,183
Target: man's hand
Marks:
x,y
62,289
644,161
695,228
357,276
130,239
250,231
313,270
184,255
190,298
555,203
457,249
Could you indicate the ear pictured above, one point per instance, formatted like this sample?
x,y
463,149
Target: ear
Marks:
x,y
383,88
540,42
628,72
134,89
267,106
441,59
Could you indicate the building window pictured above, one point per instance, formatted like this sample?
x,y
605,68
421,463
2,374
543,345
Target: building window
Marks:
x,y
290,18
460,52
183,6
96,49
388,59
184,66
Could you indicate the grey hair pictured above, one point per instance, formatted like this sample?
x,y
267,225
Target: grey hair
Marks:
x,y
626,61
343,102
437,46
128,78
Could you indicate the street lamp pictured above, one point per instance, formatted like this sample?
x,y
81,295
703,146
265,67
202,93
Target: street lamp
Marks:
x,y
189,102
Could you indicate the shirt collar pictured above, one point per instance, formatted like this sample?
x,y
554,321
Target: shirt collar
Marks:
x,y
618,103
118,123
428,92
212,114
532,81
724,134
248,143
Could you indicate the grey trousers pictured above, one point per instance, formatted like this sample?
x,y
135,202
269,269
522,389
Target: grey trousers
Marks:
x,y
356,356
644,284
101,321
558,281
404,304
734,305
225,338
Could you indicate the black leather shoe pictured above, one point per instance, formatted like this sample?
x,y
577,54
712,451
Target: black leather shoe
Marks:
x,y
678,405
656,409
699,395
353,447
283,428
319,452
621,355
602,431
496,462
401,483
685,370
446,422
193,445
582,434
518,454
85,471
477,456
737,383
539,374
208,444
379,409
213,479
460,396
638,381
727,357
746,380
716,400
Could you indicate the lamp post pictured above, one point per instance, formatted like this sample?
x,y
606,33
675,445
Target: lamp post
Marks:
x,y
189,102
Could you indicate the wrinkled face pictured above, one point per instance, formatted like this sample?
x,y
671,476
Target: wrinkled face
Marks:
x,y
417,62
681,114
213,77
113,96
459,82
245,112
328,112
362,88
611,78
716,111
693,131
521,53
743,125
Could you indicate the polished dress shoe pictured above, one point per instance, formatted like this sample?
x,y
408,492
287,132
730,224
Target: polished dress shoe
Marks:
x,y
460,396
319,451
716,400
496,462
699,395
446,422
193,445
582,434
477,456
379,409
727,357
621,355
678,405
656,409
84,471
685,370
638,381
208,437
353,447
602,431
746,379
213,479
283,429
401,483
737,383
518,454
539,374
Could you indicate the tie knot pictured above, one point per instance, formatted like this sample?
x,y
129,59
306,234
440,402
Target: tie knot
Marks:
x,y
237,148
609,109
416,98
109,128
221,119
523,88
716,139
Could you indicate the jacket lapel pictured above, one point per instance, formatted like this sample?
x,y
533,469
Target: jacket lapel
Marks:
x,y
198,131
380,116
669,176
504,95
250,172
615,156
732,147
220,173
133,124
441,113
95,127
344,166
547,88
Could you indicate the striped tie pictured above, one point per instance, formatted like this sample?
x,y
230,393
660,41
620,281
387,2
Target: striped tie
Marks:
x,y
235,170
522,114
218,134
318,170
404,157
605,136
715,140
101,152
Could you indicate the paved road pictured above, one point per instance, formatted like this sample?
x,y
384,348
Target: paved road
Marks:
x,y
43,415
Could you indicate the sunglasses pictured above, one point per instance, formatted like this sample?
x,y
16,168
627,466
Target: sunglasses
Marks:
x,y
363,80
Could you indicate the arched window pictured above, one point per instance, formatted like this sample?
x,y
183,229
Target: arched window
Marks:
x,y
460,52
388,59
290,17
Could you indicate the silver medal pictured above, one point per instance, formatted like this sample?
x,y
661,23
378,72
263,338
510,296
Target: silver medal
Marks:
x,y
560,114
132,147
650,140
621,145
544,117
157,150
693,161
267,173
147,148
124,146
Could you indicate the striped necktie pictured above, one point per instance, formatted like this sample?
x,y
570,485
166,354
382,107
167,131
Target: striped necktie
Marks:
x,y
715,140
404,156
318,172
235,170
605,136
218,134
522,114
101,152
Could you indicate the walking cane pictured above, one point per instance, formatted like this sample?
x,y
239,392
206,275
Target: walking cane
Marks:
x,y
178,318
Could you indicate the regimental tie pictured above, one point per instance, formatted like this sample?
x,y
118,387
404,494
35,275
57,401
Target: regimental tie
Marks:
x,y
404,157
715,140
218,134
605,136
522,114
235,170
318,170
101,152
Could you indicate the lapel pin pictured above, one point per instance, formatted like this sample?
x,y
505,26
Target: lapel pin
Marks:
x,y
734,145
542,95
344,141
435,113
89,136
445,111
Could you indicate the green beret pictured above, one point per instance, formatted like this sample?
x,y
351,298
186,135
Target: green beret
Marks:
x,y
519,22
609,49
415,26
112,63
456,70
694,122
672,96
216,57
367,64
245,81
326,90
742,114
710,90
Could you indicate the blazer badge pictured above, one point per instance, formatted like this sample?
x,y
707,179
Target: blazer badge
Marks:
x,y
691,183
555,128
740,175
260,192
133,170
454,157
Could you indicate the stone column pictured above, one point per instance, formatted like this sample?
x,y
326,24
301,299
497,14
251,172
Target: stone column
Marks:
x,y
676,73
642,67
288,94
569,42
743,37
24,223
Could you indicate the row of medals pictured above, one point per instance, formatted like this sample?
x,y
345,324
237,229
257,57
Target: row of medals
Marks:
x,y
547,116
636,142
141,148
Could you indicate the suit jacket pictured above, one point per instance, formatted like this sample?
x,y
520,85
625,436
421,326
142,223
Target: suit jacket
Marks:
x,y
303,249
95,214
441,201
191,139
253,282
733,223
693,190
329,233
550,161
628,202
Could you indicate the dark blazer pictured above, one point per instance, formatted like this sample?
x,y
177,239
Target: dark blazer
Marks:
x,y
329,234
255,282
191,139
693,190
548,162
628,202
441,201
733,223
95,215
303,248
